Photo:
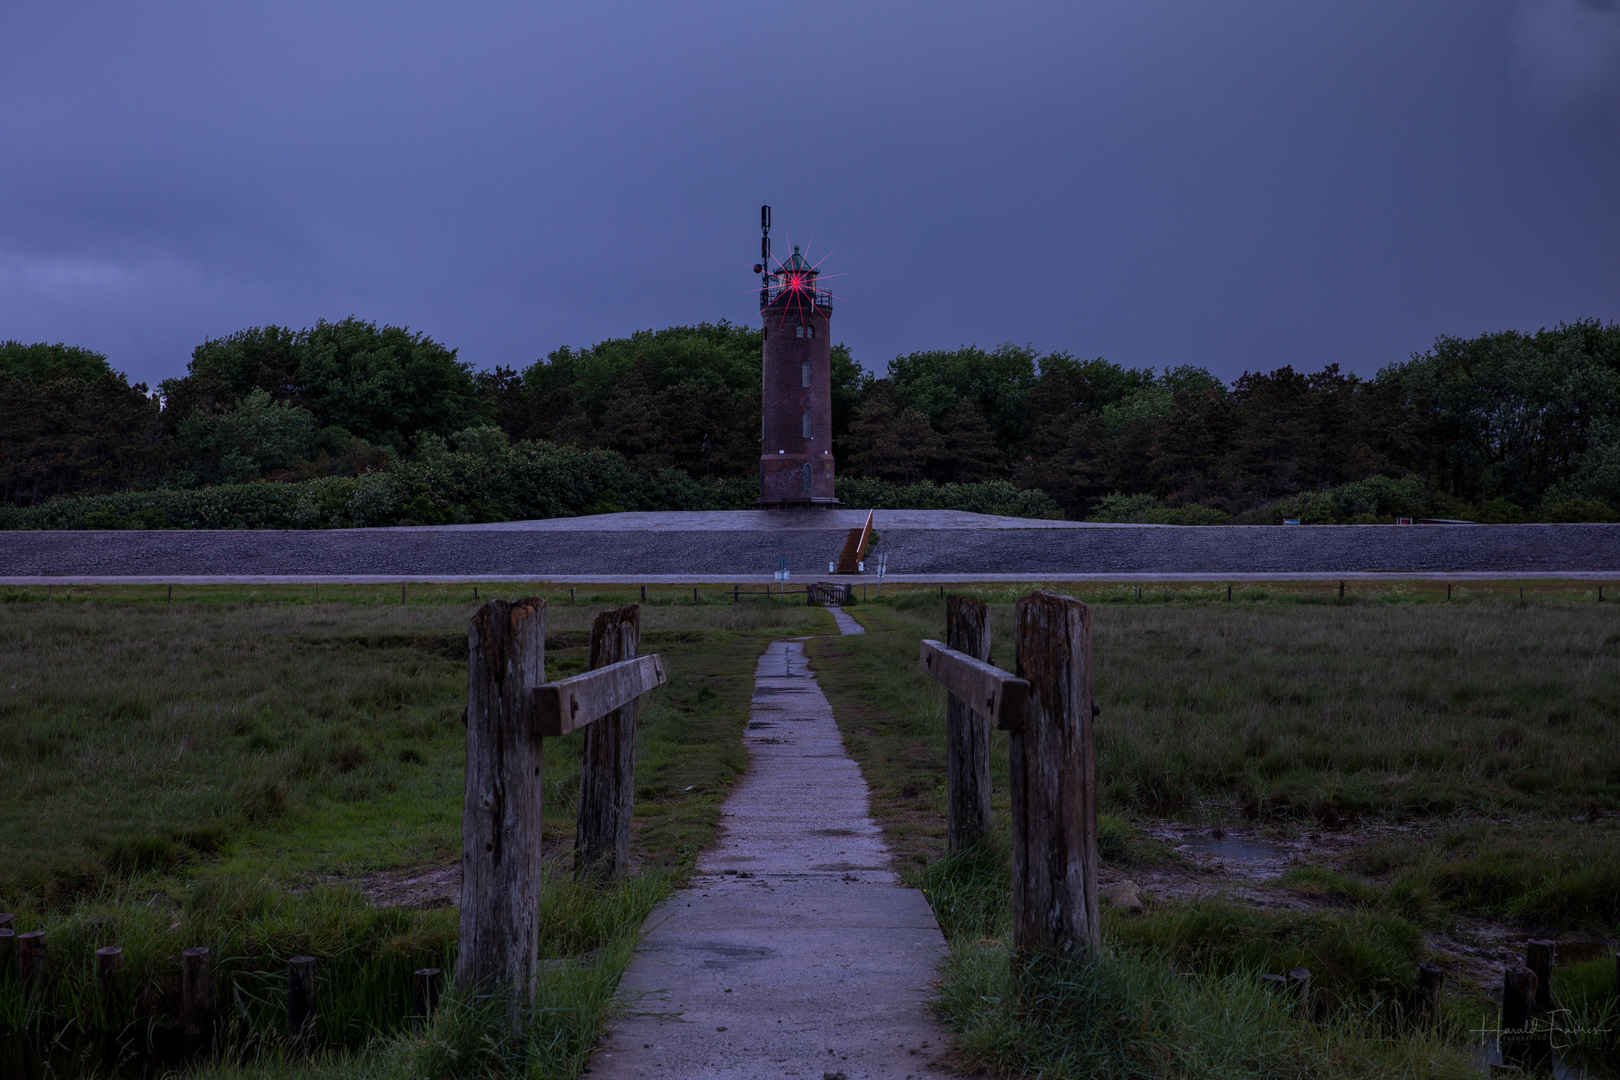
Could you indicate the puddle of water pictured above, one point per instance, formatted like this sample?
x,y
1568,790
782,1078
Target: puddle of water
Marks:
x,y
1236,848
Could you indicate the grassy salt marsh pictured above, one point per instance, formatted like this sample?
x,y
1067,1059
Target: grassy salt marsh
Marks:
x,y
249,768
1460,752
242,767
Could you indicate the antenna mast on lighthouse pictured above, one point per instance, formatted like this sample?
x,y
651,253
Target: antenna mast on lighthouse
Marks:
x,y
763,267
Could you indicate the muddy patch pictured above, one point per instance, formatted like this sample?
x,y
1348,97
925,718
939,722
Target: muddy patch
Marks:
x,y
415,887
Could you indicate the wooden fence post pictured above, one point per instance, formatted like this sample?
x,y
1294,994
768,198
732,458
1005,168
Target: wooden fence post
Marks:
x,y
109,977
1538,957
31,959
607,765
967,735
1053,767
1517,1044
196,992
1430,979
500,817
300,995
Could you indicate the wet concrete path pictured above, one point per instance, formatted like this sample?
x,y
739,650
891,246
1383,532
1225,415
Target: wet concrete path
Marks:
x,y
795,952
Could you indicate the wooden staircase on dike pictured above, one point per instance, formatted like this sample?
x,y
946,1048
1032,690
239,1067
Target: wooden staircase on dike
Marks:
x,y
849,560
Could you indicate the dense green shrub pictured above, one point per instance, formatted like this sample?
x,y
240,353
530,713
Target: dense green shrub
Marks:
x,y
988,497
530,480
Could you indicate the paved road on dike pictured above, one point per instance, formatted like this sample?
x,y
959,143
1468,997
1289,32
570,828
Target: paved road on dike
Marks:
x,y
743,545
794,952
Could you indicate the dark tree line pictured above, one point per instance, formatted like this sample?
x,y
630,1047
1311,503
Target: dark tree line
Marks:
x,y
1503,426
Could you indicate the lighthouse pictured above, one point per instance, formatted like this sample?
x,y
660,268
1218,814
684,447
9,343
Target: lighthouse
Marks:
x,y
795,448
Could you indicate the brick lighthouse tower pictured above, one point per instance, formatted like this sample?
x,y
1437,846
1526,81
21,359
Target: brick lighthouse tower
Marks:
x,y
795,451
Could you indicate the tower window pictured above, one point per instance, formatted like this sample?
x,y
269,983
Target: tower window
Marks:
x,y
804,375
798,331
809,331
807,425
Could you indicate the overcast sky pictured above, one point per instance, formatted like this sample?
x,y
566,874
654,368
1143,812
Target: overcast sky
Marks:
x,y
1239,185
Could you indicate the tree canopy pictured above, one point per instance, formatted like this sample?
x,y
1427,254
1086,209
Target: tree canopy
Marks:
x,y
1503,426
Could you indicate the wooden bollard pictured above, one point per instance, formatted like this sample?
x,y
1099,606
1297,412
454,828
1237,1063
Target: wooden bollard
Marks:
x,y
31,958
644,594
300,996
1053,768
1538,957
967,735
8,947
607,761
7,920
1518,1005
1430,978
110,974
500,817
1299,987
424,994
196,991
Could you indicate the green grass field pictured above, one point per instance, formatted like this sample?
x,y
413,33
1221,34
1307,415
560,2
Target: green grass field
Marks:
x,y
232,769
1486,728
239,767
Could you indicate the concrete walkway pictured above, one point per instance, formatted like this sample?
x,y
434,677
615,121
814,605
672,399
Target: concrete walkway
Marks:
x,y
795,952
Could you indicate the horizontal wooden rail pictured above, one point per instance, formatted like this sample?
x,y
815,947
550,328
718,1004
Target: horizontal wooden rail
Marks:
x,y
568,705
998,696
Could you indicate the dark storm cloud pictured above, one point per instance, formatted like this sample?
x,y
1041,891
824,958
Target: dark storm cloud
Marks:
x,y
1235,185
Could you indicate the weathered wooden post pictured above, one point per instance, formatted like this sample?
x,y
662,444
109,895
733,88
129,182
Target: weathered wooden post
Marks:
x,y
8,948
967,734
424,995
109,977
31,959
1430,979
1053,768
1518,1003
196,992
607,767
300,996
1538,957
500,817
510,709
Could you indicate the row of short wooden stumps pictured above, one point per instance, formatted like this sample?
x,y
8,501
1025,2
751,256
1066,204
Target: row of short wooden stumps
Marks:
x,y
196,981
